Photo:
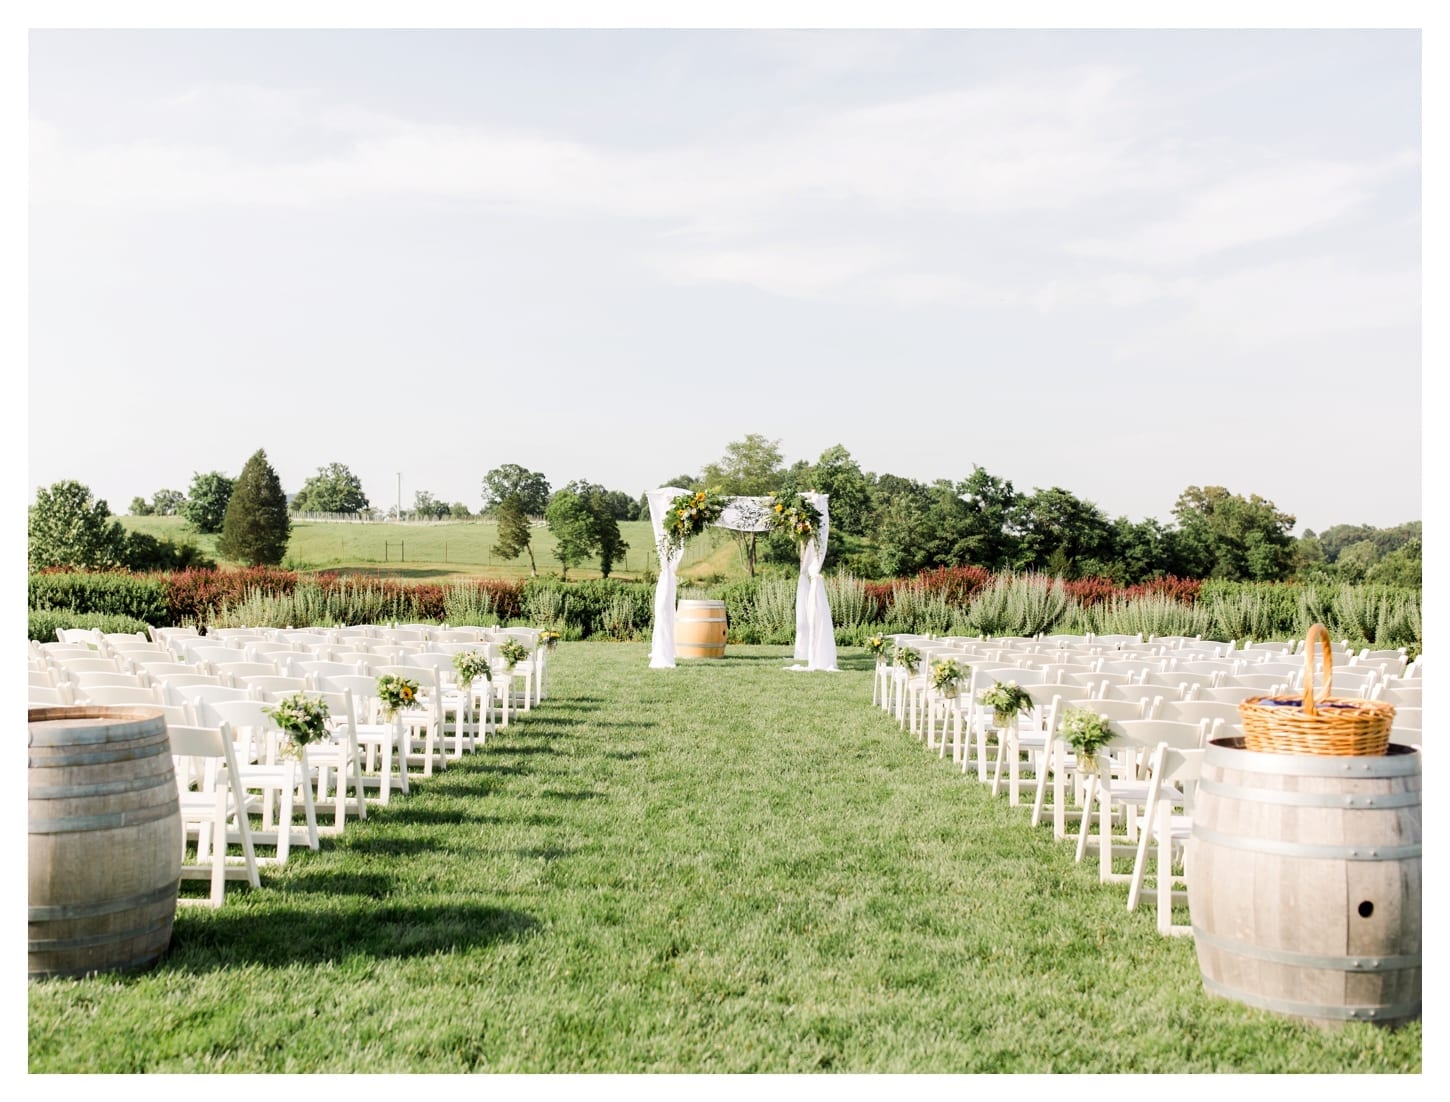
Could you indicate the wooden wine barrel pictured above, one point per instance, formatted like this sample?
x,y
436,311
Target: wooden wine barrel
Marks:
x,y
105,840
700,629
1304,882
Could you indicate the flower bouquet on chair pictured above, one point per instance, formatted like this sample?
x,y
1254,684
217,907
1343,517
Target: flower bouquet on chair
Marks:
x,y
470,665
548,638
907,657
947,675
396,693
513,652
1086,732
1007,700
302,718
877,646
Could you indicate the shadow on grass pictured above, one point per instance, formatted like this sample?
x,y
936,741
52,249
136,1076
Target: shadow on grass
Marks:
x,y
560,794
449,816
205,941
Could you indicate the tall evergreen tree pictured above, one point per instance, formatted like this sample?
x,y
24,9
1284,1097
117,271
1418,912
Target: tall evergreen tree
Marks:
x,y
256,527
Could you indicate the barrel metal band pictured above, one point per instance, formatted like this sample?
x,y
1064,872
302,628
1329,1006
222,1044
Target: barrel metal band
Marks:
x,y
1313,765
137,817
61,911
94,941
1307,960
1358,801
103,788
1393,1012
1299,849
60,737
106,756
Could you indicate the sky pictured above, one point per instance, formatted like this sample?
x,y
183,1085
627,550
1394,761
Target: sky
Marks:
x,y
1120,262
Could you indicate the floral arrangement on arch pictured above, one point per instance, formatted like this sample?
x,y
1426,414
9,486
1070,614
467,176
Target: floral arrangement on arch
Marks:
x,y
795,516
469,665
1005,698
303,717
1086,732
396,692
689,515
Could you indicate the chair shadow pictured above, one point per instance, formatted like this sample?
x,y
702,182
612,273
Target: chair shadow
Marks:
x,y
205,940
560,794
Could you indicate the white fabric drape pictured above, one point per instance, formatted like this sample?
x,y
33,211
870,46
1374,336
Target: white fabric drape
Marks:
x,y
662,642
815,635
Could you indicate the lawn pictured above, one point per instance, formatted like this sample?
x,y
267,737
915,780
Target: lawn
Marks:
x,y
726,867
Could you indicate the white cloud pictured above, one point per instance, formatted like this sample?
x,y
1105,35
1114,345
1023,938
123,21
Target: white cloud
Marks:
x,y
794,272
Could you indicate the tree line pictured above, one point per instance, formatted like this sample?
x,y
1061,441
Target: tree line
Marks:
x,y
883,525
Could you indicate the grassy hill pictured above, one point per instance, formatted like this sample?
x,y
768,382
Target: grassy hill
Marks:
x,y
436,551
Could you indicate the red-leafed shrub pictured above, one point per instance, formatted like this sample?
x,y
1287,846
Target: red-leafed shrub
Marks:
x,y
1091,591
1183,590
191,595
959,583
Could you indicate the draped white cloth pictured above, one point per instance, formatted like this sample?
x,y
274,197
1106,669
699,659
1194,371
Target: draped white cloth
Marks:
x,y
815,635
662,642
815,641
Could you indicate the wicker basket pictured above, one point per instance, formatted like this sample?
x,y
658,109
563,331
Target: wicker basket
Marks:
x,y
1329,725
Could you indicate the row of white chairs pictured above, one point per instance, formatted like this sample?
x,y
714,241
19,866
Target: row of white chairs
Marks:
x,y
228,751
1162,719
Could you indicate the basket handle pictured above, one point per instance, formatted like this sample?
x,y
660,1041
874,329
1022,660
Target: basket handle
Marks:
x,y
1317,633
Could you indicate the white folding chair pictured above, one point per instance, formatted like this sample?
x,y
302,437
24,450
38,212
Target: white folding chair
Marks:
x,y
1172,778
213,809
380,738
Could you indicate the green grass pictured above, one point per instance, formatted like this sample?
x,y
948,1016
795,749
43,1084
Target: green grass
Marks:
x,y
452,549
726,867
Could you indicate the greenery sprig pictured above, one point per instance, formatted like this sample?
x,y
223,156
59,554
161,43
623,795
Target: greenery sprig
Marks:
x,y
1006,697
1085,731
907,657
471,664
513,652
303,717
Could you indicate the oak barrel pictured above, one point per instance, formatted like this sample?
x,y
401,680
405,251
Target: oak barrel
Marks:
x,y
700,629
105,840
1304,882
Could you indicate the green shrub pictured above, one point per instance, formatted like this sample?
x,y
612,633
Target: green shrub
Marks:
x,y
42,623
106,594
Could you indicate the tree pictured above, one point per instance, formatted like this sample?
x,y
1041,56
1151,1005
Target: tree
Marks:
x,y
168,503
333,489
839,476
511,480
514,534
621,506
572,524
68,526
1060,528
991,528
459,511
1225,535
206,502
140,507
428,507
749,468
256,527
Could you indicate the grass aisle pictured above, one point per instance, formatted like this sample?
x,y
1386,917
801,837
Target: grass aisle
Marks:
x,y
722,868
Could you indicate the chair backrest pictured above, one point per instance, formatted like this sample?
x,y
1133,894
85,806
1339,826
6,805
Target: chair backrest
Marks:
x,y
435,660
429,682
1400,696
1176,733
1230,693
91,678
1179,677
207,694
237,671
362,687
316,668
180,681
1195,711
87,636
119,695
1178,767
72,664
211,652
51,695
247,718
212,749
271,688
1115,710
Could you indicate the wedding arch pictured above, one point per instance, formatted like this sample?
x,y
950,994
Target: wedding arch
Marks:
x,y
815,635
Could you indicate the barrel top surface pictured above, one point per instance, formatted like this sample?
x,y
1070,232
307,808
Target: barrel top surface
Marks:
x,y
691,603
1229,753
